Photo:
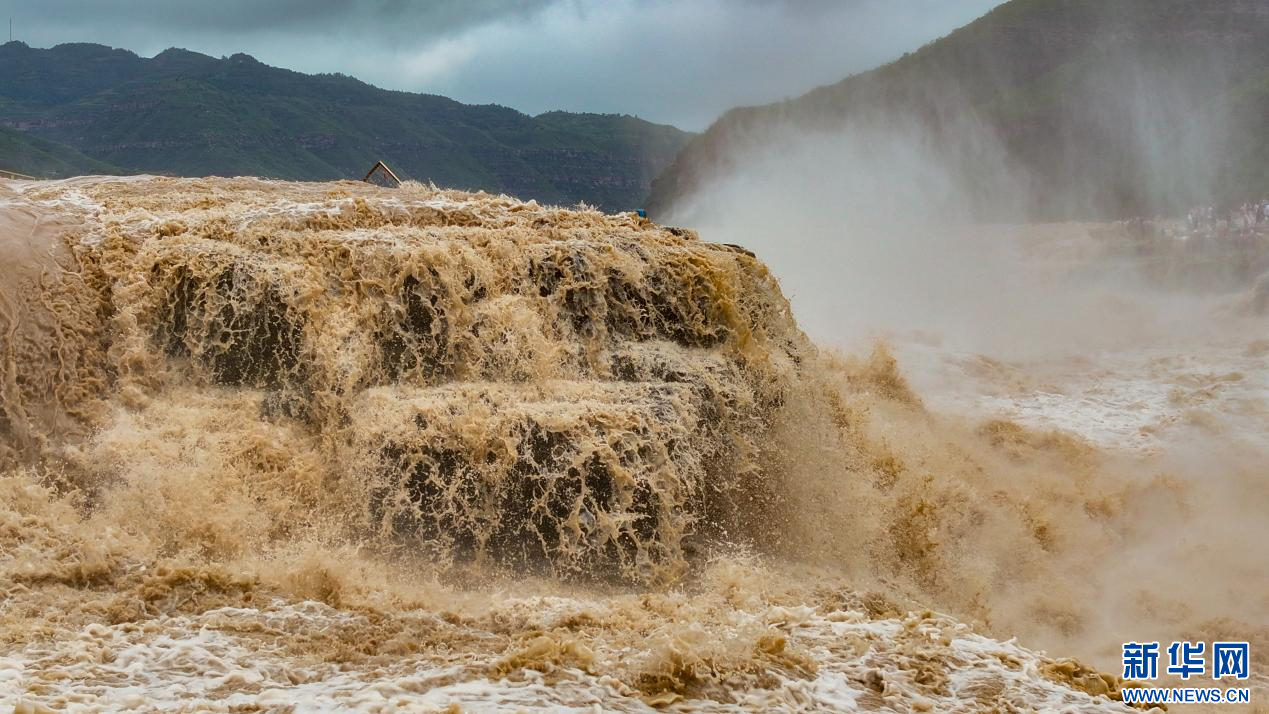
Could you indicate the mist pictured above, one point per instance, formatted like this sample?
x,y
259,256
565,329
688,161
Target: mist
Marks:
x,y
856,223
873,232
890,223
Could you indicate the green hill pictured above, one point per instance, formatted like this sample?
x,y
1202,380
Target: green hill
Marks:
x,y
33,156
184,113
1109,107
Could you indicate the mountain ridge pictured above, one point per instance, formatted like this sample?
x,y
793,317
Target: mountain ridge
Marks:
x,y
185,113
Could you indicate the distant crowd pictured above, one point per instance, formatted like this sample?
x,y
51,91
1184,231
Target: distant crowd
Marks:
x,y
1206,249
1248,215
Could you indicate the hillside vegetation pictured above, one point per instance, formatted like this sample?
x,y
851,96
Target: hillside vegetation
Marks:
x,y
31,155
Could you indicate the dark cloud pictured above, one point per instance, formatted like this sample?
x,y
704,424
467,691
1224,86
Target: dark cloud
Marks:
x,y
676,61
398,19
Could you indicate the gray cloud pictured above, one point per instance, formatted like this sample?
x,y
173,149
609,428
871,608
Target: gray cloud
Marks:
x,y
681,62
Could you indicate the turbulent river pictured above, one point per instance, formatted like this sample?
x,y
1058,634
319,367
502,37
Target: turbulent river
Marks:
x,y
270,446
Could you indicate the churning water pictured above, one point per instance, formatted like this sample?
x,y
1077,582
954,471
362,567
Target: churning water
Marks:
x,y
274,447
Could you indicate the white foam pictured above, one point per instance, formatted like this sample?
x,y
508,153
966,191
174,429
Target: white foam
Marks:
x,y
210,662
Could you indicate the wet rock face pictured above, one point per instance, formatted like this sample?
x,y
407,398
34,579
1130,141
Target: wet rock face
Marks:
x,y
240,327
417,335
577,478
500,382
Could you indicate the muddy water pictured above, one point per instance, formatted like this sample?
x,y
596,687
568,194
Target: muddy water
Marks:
x,y
309,447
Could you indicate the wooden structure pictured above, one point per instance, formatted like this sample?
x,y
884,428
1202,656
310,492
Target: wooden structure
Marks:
x,y
15,175
381,175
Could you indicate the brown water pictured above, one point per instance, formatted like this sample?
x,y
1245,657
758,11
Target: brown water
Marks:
x,y
275,446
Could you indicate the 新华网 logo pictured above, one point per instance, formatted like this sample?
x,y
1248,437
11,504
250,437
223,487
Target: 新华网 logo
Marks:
x,y
1187,659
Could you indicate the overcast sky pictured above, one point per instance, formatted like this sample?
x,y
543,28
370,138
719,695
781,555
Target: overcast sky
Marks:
x,y
681,62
